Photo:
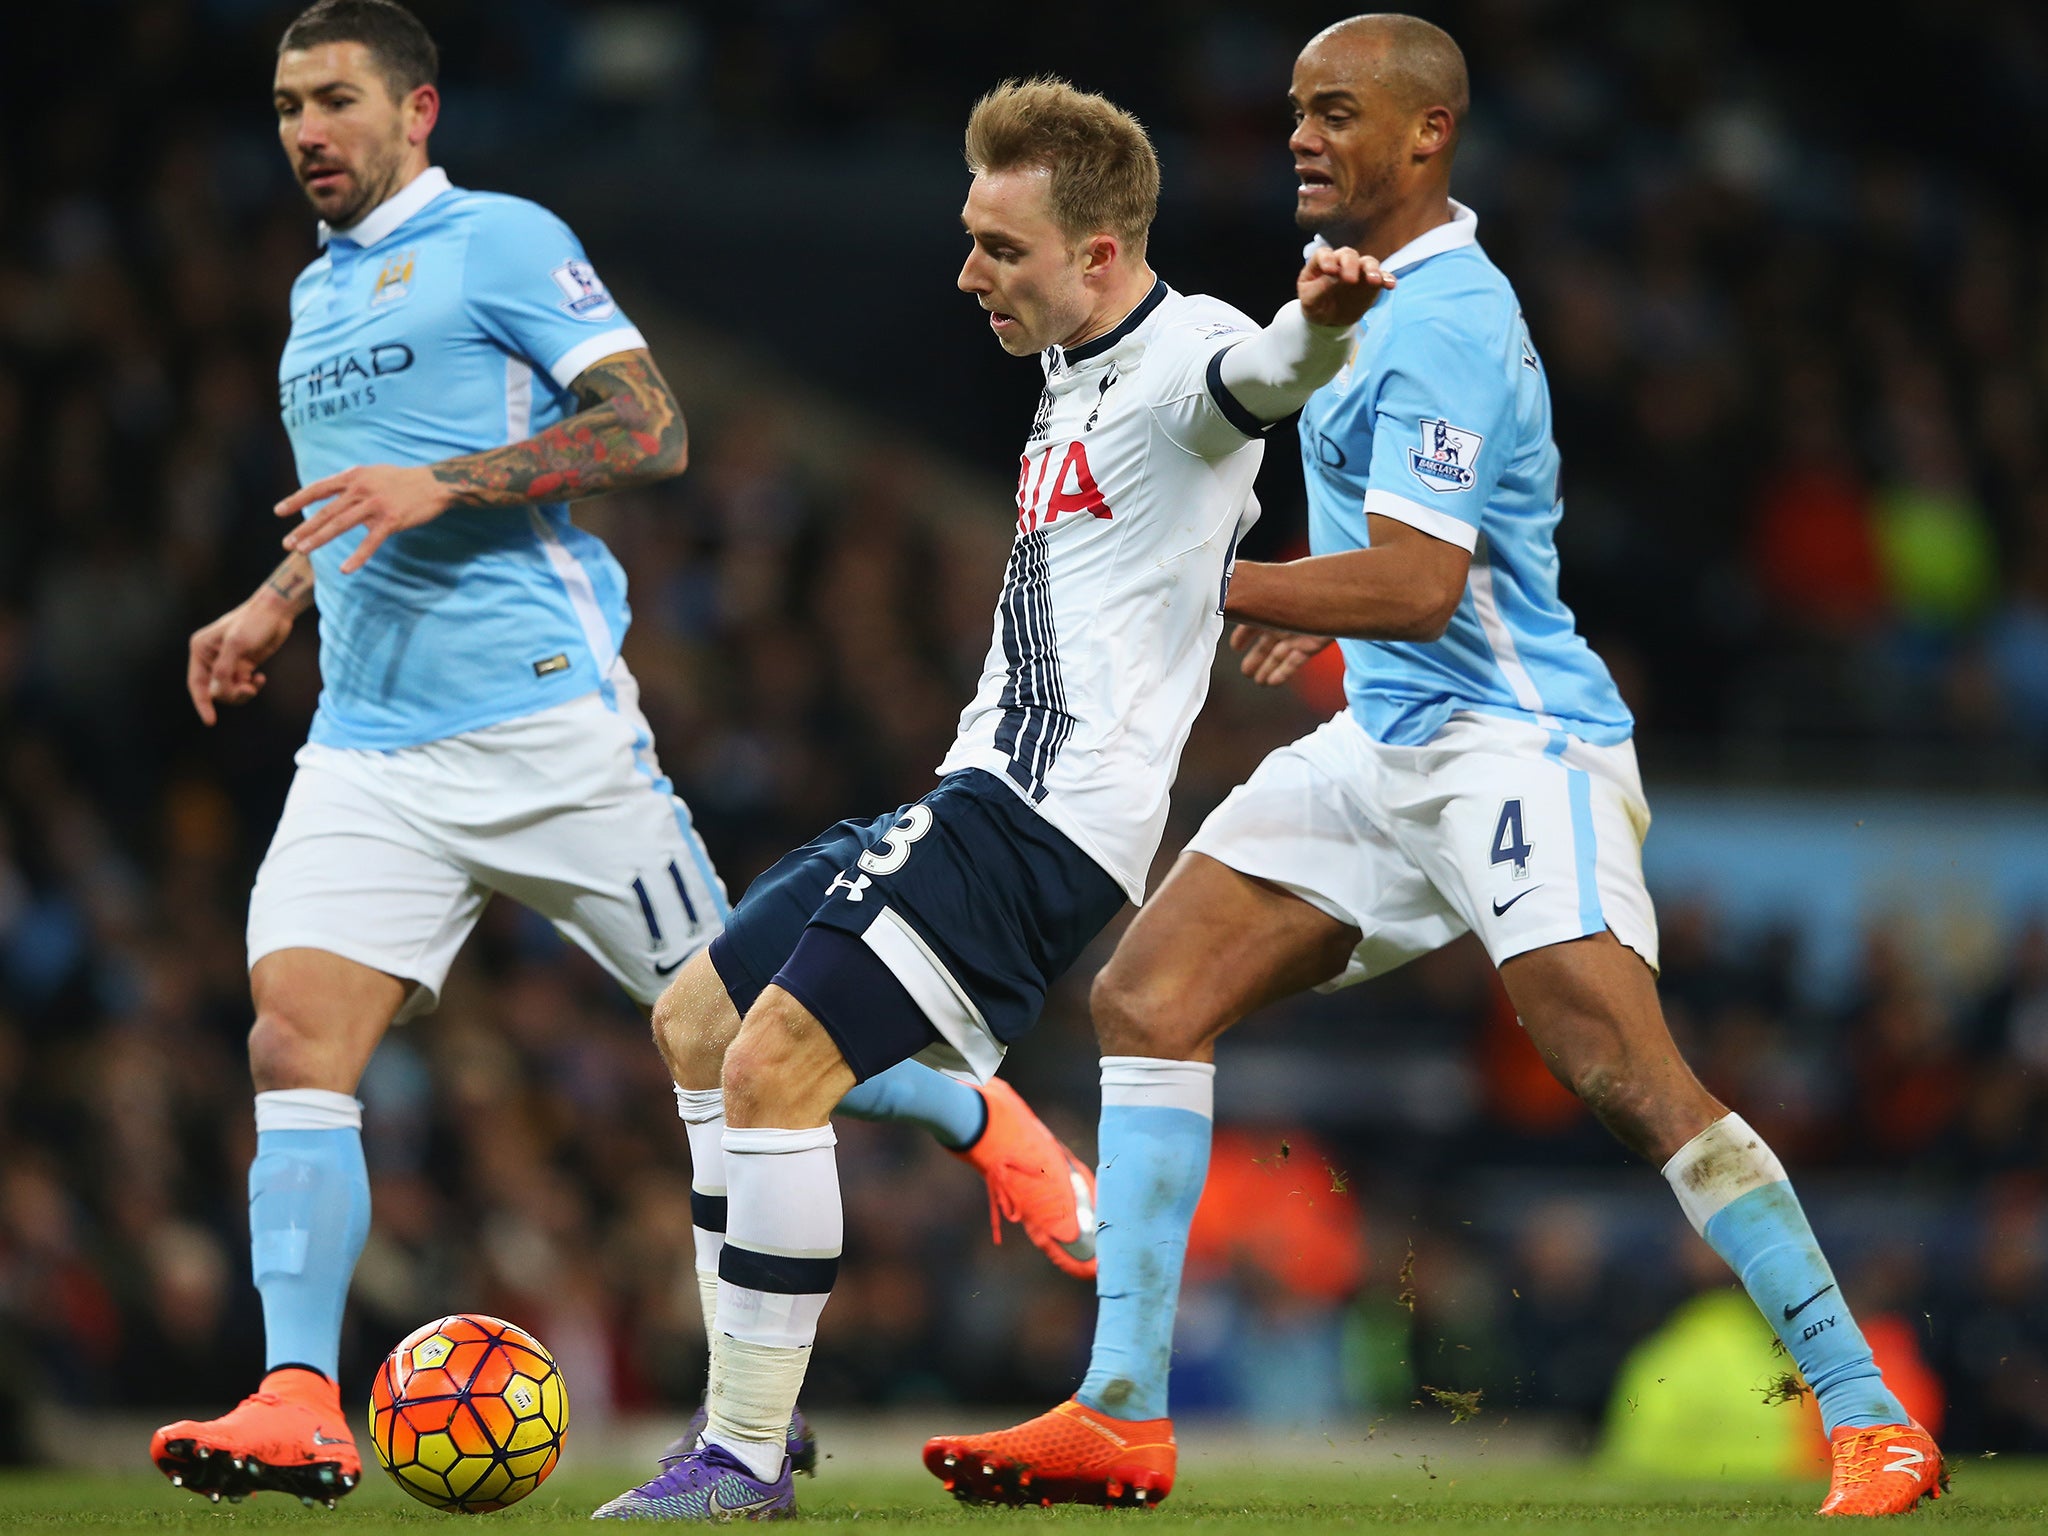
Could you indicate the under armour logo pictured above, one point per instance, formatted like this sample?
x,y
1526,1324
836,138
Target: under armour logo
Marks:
x,y
853,887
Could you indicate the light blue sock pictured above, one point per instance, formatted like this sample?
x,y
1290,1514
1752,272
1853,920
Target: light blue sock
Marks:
x,y
1735,1193
911,1093
1154,1152
309,1212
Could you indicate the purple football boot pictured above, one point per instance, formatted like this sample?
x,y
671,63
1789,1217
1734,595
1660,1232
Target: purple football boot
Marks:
x,y
801,1443
709,1485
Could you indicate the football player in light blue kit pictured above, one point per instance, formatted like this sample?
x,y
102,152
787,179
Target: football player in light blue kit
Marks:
x,y
456,374
1480,779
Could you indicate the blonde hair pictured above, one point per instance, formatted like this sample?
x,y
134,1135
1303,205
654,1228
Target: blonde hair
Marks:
x,y
1103,172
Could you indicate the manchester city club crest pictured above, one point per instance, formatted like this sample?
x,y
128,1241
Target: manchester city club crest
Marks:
x,y
394,281
1444,461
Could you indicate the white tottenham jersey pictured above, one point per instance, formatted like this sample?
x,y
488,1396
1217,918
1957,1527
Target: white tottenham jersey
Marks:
x,y
1132,492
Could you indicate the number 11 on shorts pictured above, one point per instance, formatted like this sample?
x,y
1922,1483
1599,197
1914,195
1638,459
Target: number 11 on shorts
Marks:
x,y
1510,843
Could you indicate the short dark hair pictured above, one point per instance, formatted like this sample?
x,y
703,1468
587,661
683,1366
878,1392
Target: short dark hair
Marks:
x,y
402,48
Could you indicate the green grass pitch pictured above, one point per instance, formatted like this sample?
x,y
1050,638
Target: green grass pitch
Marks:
x,y
1989,1495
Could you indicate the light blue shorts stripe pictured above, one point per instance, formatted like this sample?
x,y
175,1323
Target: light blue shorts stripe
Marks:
x,y
1586,849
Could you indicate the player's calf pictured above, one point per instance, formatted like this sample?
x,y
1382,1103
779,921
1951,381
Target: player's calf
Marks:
x,y
1590,1007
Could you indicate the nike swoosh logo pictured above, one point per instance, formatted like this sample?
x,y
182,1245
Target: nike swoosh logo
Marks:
x,y
1500,907
1792,1312
320,1439
663,970
720,1507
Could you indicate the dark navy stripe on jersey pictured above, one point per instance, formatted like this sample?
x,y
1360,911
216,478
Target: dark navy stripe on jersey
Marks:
x,y
776,1272
707,1211
1232,408
1035,723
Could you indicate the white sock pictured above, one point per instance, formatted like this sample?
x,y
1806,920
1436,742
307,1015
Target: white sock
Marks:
x,y
777,1268
703,1112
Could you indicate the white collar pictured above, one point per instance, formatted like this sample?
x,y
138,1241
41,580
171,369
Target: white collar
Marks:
x,y
383,219
1462,229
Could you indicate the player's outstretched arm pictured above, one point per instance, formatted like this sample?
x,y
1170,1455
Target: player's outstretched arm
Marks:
x,y
1406,586
1272,374
221,659
629,432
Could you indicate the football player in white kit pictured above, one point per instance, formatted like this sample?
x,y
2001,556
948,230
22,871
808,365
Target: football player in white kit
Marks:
x,y
1481,778
933,931
456,373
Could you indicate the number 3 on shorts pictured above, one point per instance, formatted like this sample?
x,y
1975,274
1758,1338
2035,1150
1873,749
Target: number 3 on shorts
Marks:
x,y
895,848
1510,843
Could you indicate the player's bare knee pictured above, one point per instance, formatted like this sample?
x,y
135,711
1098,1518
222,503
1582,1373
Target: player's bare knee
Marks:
x,y
781,1069
1140,1016
665,1024
283,1053
693,1023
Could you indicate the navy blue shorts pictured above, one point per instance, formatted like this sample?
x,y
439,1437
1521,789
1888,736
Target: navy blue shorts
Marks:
x,y
939,924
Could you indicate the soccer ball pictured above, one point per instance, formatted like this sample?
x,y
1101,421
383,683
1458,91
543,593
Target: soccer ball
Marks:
x,y
467,1414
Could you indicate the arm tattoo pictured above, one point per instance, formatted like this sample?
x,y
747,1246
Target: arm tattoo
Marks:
x,y
292,583
629,431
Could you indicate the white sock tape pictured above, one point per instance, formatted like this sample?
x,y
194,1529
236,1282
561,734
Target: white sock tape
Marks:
x,y
752,1394
307,1109
1718,1167
1153,1082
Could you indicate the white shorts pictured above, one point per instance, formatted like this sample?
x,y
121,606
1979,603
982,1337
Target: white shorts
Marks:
x,y
387,858
1524,836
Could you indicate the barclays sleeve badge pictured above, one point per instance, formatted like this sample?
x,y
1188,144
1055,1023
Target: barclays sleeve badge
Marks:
x,y
1444,461
584,294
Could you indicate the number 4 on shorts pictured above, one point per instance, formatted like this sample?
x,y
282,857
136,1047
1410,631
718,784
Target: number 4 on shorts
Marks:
x,y
1510,843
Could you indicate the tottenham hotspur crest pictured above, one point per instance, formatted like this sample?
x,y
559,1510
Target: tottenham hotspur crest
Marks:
x,y
1444,461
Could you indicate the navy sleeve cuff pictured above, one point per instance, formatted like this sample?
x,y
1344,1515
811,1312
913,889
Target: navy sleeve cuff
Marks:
x,y
1233,411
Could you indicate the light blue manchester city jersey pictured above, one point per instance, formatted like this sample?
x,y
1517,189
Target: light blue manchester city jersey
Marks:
x,y
1441,420
445,322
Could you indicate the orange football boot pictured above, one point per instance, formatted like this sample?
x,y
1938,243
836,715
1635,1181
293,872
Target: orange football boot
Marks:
x,y
288,1436
1072,1455
1035,1181
1884,1470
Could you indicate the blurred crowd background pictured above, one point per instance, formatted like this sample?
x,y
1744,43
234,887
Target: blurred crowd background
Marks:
x,y
1798,344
